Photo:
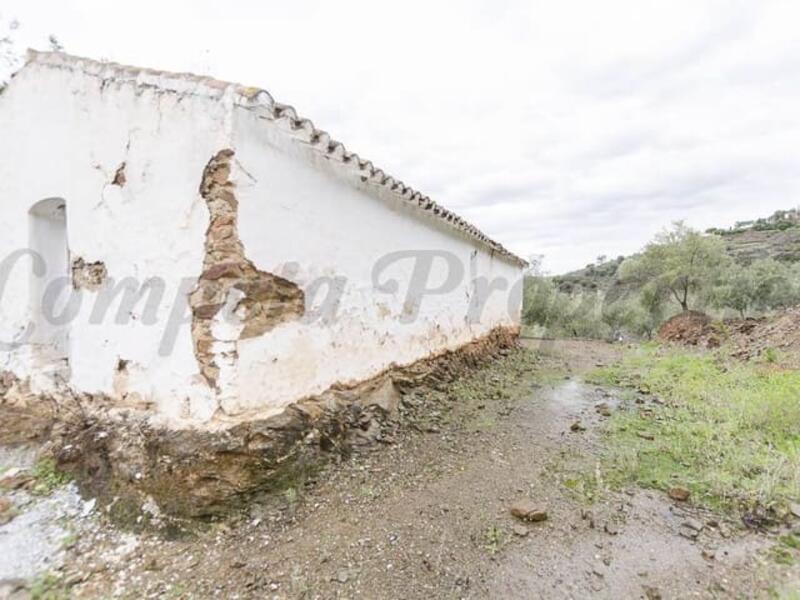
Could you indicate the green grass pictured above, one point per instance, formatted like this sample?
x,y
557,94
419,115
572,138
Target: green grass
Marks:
x,y
582,486
291,495
770,355
69,540
728,431
48,477
787,550
49,586
493,539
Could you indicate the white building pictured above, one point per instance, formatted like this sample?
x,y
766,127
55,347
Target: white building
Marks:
x,y
203,254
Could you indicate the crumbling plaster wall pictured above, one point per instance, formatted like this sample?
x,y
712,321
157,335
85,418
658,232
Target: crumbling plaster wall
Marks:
x,y
131,160
298,208
65,134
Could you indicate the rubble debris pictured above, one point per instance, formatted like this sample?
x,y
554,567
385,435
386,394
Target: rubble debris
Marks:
x,y
198,474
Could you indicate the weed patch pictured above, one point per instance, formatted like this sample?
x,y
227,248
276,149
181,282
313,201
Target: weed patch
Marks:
x,y
728,431
493,540
48,477
49,587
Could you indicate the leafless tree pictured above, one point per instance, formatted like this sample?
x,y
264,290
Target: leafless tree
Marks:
x,y
8,53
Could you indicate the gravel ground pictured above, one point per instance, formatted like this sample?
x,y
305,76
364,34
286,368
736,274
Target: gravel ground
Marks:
x,y
37,530
35,540
429,514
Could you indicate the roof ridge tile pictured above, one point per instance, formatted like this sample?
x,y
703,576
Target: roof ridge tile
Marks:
x,y
300,128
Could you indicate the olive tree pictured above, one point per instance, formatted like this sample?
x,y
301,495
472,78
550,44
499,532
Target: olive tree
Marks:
x,y
765,284
680,264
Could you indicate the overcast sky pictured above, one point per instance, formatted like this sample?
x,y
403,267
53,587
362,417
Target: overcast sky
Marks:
x,y
565,128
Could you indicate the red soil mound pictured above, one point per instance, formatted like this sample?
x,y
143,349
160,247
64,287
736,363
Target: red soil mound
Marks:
x,y
749,338
690,328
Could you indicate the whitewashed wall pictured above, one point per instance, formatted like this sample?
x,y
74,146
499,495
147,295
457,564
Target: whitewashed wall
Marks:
x,y
297,207
66,132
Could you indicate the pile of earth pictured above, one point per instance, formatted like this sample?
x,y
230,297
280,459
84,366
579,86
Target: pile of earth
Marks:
x,y
780,333
749,338
690,328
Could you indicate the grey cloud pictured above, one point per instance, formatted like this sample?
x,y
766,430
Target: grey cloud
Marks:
x,y
567,127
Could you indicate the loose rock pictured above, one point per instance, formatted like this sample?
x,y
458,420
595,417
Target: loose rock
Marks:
x,y
526,510
678,493
693,524
652,593
16,478
603,409
14,588
342,577
6,510
520,531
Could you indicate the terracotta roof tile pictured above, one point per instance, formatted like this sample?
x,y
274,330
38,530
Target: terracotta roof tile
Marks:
x,y
286,116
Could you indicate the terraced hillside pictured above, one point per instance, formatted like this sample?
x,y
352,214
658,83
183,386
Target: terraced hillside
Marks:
x,y
776,237
749,245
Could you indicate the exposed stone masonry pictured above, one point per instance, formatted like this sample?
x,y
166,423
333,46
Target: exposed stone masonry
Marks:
x,y
191,473
265,300
88,275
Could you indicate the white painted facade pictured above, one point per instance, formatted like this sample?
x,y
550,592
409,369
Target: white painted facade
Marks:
x,y
307,210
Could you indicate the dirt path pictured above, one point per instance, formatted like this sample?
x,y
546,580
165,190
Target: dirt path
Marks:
x,y
428,516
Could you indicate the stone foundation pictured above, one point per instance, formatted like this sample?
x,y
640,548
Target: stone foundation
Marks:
x,y
128,463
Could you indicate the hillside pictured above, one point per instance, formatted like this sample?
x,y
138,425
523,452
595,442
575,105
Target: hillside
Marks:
x,y
777,237
593,277
749,245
